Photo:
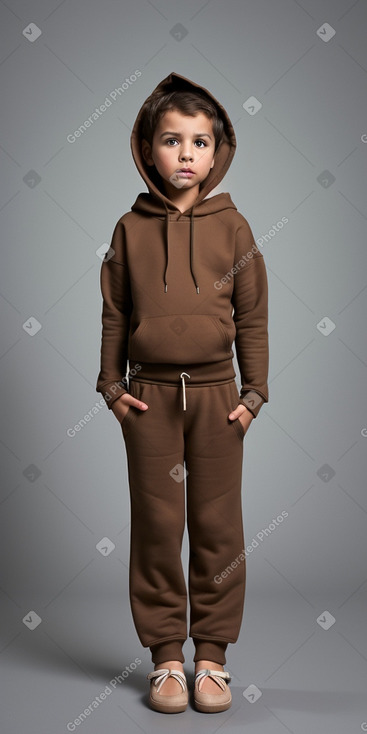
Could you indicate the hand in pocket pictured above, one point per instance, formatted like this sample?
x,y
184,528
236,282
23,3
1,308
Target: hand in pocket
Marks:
x,y
121,406
244,416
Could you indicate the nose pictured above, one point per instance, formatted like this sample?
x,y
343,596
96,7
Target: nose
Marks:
x,y
186,155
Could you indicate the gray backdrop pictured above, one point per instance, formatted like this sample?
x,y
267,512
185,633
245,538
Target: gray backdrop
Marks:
x,y
299,177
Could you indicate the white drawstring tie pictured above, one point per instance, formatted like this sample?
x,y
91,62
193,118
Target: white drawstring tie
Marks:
x,y
182,375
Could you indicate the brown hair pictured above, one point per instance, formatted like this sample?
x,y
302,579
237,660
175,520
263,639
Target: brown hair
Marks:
x,y
188,103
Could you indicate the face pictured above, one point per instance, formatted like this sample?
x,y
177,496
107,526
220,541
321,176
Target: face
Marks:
x,y
181,142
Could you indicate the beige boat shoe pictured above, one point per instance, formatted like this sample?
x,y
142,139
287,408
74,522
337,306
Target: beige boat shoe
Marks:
x,y
212,702
167,704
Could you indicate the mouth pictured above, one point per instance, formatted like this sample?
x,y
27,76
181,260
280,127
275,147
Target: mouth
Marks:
x,y
187,172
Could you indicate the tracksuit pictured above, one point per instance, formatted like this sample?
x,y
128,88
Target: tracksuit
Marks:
x,y
178,290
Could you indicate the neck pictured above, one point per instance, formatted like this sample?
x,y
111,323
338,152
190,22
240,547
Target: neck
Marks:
x,y
181,198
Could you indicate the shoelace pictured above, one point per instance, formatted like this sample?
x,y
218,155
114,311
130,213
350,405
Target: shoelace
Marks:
x,y
217,675
160,676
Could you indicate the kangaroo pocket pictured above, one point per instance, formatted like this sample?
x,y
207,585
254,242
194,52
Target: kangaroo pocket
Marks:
x,y
190,339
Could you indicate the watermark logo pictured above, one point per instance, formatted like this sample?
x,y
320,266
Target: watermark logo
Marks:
x,y
326,620
260,537
31,32
113,683
105,547
31,326
325,179
178,473
325,326
326,32
252,693
272,231
32,620
326,472
99,111
218,284
252,105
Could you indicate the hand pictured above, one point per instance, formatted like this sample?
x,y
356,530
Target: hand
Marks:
x,y
120,406
247,416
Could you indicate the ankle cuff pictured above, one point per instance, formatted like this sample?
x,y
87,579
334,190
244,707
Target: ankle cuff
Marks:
x,y
171,650
210,650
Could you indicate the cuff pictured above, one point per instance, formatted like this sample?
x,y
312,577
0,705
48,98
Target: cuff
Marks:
x,y
210,650
252,401
112,392
171,650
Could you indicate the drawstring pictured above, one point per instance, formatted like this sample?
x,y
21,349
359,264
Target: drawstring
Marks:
x,y
166,247
184,388
191,248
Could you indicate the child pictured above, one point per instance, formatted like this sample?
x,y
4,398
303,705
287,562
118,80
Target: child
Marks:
x,y
178,265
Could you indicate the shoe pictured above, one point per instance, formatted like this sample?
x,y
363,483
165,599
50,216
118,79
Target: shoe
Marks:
x,y
209,703
167,704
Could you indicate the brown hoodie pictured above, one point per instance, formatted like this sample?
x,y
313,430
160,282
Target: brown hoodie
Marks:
x,y
171,280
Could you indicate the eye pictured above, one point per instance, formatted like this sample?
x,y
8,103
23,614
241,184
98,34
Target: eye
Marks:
x,y
201,141
170,140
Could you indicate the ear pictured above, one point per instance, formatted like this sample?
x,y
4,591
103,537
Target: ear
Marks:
x,y
212,163
146,151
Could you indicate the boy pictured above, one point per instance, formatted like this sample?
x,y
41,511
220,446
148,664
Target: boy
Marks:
x,y
178,265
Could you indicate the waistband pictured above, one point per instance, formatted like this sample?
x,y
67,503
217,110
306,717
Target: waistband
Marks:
x,y
208,373
184,375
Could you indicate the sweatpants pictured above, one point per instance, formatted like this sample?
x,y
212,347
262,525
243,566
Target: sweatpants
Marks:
x,y
185,440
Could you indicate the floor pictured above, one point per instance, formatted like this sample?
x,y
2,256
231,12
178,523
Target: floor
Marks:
x,y
290,672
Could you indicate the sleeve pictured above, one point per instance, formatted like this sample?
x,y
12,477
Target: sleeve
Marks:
x,y
250,303
116,310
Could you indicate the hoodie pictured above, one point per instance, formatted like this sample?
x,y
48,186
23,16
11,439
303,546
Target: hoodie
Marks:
x,y
180,288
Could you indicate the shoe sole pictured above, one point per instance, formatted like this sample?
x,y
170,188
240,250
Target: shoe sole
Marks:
x,y
211,708
167,708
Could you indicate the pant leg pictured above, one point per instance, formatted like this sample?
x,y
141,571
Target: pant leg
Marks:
x,y
217,568
155,445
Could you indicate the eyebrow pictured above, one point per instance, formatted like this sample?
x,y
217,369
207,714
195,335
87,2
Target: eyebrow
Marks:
x,y
196,135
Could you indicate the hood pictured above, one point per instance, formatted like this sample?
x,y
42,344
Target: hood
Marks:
x,y
156,203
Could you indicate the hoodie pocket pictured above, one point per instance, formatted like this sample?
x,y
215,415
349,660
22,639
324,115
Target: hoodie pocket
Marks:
x,y
186,339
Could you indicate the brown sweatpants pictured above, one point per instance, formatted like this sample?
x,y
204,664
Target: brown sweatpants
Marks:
x,y
166,444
